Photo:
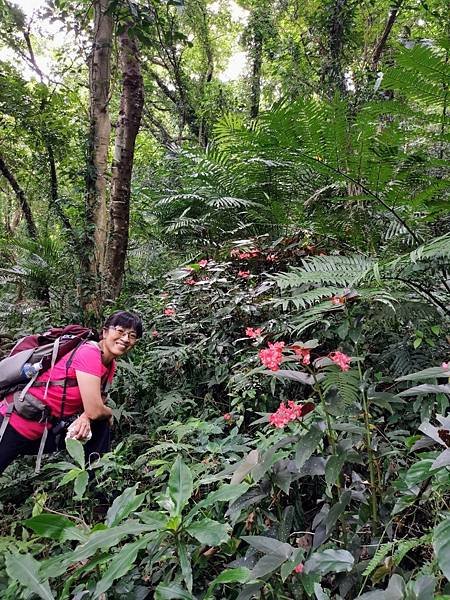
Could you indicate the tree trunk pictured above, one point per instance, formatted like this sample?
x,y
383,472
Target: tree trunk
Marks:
x,y
99,138
379,48
338,25
131,104
255,82
20,194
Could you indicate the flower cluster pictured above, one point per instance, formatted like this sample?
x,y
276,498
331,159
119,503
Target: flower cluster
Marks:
x,y
190,281
253,333
303,353
169,312
155,333
299,568
285,414
445,365
272,257
341,360
227,417
244,274
202,263
271,357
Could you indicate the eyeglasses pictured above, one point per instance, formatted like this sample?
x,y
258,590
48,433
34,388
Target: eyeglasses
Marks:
x,y
122,333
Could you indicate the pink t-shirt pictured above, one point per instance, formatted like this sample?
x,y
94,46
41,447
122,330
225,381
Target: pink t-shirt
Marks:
x,y
88,359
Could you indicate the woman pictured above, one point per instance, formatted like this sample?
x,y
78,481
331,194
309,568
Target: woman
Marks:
x,y
91,367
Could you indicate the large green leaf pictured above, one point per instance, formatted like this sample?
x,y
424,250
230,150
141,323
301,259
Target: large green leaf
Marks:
x,y
48,525
124,505
76,451
171,591
180,485
307,444
441,545
269,545
107,538
185,564
24,569
226,493
240,575
267,564
209,532
80,484
334,467
120,564
329,561
156,520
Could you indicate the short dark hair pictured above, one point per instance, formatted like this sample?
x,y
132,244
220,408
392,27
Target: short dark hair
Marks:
x,y
125,319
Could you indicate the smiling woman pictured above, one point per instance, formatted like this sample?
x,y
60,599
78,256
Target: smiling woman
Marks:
x,y
86,374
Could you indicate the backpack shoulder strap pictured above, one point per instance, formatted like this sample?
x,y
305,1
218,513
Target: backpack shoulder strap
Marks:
x,y
6,418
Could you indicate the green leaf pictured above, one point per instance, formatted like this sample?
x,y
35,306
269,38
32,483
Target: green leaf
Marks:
x,y
209,532
80,484
329,561
245,466
226,493
24,569
180,485
156,520
267,564
441,545
185,564
171,591
106,538
123,506
307,444
70,476
240,575
269,545
334,467
76,451
120,564
48,525
418,472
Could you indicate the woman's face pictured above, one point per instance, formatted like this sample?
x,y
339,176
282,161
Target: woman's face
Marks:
x,y
117,340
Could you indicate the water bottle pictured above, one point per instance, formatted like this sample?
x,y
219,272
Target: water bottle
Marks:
x,y
29,370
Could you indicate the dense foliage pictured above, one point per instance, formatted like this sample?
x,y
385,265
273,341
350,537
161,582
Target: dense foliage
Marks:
x,y
281,429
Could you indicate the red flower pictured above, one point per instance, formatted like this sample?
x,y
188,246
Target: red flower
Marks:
x,y
202,263
299,568
190,281
341,359
155,333
169,312
227,417
252,333
271,357
304,354
285,414
244,274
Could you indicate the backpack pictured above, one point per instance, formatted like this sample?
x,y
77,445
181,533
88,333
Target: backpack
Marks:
x,y
41,352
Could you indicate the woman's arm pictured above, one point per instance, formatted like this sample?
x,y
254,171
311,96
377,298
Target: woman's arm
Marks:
x,y
89,386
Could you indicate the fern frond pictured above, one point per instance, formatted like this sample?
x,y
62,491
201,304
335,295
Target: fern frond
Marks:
x,y
346,383
379,556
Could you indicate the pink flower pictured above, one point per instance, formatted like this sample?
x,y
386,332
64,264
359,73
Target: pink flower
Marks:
x,y
285,414
299,568
340,359
445,365
271,357
155,333
190,281
202,263
252,333
304,354
271,257
227,417
169,312
244,274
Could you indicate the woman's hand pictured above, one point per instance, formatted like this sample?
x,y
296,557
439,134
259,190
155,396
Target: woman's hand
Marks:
x,y
81,428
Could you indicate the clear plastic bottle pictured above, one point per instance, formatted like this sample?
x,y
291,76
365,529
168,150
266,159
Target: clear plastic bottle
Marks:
x,y
29,370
